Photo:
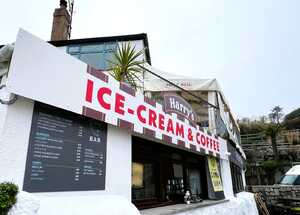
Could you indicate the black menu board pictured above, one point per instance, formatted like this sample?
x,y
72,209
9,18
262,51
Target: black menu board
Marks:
x,y
67,152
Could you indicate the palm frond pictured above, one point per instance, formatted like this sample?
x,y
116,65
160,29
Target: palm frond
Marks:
x,y
125,64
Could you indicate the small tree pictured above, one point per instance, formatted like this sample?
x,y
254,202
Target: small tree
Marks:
x,y
8,193
125,64
274,127
276,115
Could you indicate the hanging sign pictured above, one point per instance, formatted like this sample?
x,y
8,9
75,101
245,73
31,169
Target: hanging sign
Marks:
x,y
65,82
215,174
176,104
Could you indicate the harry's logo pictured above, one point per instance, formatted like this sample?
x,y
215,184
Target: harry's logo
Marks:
x,y
176,104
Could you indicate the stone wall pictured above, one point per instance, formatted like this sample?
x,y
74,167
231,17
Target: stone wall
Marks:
x,y
273,193
289,154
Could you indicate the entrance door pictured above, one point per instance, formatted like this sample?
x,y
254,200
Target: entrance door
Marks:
x,y
161,174
194,178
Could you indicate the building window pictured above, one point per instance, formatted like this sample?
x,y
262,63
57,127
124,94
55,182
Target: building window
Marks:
x,y
95,55
143,186
237,180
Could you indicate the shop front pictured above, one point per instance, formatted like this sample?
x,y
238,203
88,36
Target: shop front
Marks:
x,y
91,136
162,174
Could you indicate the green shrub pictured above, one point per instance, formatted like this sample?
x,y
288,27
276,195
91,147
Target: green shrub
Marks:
x,y
271,165
8,196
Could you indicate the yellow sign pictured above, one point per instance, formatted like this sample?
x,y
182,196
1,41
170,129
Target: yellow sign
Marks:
x,y
215,174
137,175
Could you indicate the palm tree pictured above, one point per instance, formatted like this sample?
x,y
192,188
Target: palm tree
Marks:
x,y
125,65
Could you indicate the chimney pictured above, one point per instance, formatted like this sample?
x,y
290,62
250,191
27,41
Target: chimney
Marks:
x,y
61,27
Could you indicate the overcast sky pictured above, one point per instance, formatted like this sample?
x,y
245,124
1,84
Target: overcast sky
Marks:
x,y
252,47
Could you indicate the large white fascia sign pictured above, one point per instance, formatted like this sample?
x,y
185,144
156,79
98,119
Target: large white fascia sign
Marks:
x,y
42,72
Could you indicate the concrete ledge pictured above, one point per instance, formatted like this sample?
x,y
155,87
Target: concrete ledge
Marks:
x,y
178,208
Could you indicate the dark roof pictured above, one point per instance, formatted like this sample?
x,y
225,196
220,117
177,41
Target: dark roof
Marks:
x,y
130,37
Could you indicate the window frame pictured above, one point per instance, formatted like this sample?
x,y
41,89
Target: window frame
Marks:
x,y
80,52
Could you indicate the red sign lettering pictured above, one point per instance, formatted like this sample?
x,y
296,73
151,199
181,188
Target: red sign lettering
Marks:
x,y
139,113
101,92
119,105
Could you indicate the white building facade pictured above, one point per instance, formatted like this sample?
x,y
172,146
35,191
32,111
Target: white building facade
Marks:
x,y
51,102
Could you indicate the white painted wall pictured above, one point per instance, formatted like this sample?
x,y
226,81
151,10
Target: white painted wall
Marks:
x,y
13,154
47,78
4,96
244,178
243,204
14,141
118,169
226,178
27,204
211,112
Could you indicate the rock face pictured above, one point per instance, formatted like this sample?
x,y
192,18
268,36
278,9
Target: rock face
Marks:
x,y
26,204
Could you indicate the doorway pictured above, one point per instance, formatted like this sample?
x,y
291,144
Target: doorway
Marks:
x,y
161,174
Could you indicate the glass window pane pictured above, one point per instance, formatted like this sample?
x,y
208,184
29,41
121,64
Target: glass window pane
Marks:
x,y
111,47
195,183
288,179
147,190
107,57
72,49
178,171
95,60
297,181
95,55
149,180
92,48
105,64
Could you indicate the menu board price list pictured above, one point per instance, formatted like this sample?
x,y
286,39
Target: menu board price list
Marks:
x,y
66,152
